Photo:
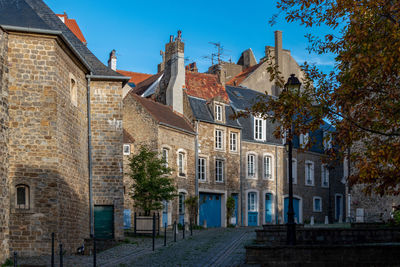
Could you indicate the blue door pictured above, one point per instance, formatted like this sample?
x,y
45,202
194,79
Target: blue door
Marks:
x,y
252,211
210,209
296,207
165,213
235,213
268,208
127,219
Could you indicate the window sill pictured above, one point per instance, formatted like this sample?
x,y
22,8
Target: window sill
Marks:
x,y
252,178
183,175
219,182
325,186
309,185
202,181
319,211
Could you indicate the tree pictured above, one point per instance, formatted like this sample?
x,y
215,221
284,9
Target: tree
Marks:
x,y
230,208
360,97
151,183
193,208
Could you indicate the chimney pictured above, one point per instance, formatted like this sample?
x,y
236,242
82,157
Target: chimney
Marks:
x,y
174,60
221,74
192,67
161,66
112,60
248,59
278,56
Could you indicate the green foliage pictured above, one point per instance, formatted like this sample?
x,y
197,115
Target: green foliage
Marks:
x,y
192,205
396,217
151,181
8,262
230,208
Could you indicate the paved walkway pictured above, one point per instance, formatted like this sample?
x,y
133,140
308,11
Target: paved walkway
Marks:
x,y
211,247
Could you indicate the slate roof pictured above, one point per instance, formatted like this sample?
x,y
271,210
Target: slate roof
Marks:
x,y
145,84
164,114
35,14
202,112
136,77
73,26
204,85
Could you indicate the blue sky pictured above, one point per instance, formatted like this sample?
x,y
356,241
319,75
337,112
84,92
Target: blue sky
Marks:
x,y
138,30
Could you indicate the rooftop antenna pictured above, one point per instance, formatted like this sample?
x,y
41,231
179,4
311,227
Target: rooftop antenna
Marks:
x,y
220,51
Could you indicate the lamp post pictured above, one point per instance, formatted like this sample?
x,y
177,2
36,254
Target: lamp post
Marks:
x,y
292,84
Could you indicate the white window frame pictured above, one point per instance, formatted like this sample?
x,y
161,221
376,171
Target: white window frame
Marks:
x,y
233,142
309,163
219,139
254,164
294,170
324,174
320,204
259,131
271,167
255,204
166,155
126,149
181,173
218,112
221,180
202,174
304,139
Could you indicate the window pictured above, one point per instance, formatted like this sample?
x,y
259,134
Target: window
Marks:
x,y
218,112
202,169
294,171
317,207
259,129
73,91
181,203
267,167
252,201
251,166
324,176
219,170
218,139
327,140
127,149
304,139
165,156
233,142
181,163
22,197
309,173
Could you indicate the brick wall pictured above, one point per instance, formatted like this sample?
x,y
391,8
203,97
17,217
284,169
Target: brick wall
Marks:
x,y
4,189
106,109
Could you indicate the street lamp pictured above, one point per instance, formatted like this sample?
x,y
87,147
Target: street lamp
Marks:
x,y
293,85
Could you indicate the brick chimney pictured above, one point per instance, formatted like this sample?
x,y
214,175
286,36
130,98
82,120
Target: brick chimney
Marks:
x,y
278,56
192,67
175,69
112,60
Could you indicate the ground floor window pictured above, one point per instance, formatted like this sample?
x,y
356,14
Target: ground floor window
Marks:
x,y
252,201
317,207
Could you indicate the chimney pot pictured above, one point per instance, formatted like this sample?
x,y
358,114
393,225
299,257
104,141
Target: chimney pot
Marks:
x,y
171,38
179,35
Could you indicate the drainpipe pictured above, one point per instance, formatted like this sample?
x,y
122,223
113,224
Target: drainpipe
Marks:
x,y
91,214
196,151
240,180
276,185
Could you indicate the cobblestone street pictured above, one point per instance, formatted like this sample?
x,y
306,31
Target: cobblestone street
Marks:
x,y
211,247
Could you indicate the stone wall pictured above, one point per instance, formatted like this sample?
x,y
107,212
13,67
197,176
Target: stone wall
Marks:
x,y
4,189
48,145
106,112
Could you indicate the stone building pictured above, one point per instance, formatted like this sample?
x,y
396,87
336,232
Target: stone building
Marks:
x,y
60,168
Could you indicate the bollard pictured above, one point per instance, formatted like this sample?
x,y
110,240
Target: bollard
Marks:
x,y
175,231
191,228
165,234
52,249
15,259
183,233
158,224
61,256
154,229
94,252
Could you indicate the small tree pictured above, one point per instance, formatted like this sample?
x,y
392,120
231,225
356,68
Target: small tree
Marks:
x,y
230,208
151,183
192,204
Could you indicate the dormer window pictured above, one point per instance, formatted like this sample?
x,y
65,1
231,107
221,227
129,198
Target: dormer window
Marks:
x,y
304,139
259,129
218,112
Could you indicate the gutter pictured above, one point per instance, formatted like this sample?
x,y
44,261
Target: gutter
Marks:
x,y
196,158
91,206
107,77
276,186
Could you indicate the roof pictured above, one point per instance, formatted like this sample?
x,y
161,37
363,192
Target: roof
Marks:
x,y
136,77
243,98
145,84
127,137
202,112
238,79
205,86
36,15
164,114
73,26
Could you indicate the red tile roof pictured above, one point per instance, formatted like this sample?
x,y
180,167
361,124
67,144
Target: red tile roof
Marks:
x,y
238,79
163,114
205,86
73,27
136,77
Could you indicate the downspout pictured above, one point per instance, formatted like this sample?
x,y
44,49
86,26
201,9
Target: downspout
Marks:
x,y
196,151
276,185
241,181
91,214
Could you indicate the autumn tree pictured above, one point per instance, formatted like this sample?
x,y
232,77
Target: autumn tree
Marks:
x,y
360,96
151,182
